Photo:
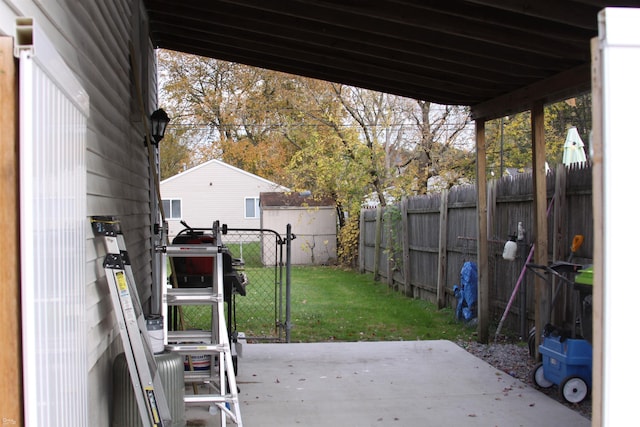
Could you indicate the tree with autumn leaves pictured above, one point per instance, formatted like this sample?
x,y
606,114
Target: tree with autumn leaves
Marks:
x,y
348,143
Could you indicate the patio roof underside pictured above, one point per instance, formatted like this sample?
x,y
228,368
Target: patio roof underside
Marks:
x,y
498,57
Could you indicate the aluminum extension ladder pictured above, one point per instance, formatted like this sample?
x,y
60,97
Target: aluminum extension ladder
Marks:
x,y
220,383
147,385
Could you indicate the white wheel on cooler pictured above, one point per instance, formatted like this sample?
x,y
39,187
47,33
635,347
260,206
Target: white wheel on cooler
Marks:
x,y
574,389
537,377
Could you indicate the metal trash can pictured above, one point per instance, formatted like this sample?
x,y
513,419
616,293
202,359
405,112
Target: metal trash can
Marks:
x,y
125,408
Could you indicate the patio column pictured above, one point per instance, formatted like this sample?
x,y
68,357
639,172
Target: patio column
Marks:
x,y
542,288
483,245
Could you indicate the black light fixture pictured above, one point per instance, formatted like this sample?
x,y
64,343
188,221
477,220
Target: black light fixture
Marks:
x,y
159,121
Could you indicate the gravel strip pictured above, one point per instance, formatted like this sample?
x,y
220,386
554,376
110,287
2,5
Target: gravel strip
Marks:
x,y
514,360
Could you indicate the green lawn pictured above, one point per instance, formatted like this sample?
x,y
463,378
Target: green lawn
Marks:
x,y
250,252
330,304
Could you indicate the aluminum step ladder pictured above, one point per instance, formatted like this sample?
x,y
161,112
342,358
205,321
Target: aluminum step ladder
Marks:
x,y
148,390
219,381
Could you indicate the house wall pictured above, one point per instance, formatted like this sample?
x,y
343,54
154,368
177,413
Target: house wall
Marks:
x,y
214,191
94,40
314,228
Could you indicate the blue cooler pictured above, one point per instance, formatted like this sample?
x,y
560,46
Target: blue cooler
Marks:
x,y
566,358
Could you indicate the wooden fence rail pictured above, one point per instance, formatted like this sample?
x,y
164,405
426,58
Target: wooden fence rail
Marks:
x,y
418,246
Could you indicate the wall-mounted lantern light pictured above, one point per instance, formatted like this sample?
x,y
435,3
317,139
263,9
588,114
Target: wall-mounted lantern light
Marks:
x,y
159,121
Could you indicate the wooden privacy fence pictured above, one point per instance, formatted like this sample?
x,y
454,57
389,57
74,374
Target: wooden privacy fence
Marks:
x,y
418,246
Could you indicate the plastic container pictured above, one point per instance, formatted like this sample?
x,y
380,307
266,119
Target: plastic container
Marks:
x,y
510,249
585,277
199,362
565,359
155,330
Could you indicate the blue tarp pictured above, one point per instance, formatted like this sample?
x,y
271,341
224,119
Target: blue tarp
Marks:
x,y
467,292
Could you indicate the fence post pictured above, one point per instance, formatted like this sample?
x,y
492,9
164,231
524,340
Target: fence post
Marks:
x,y
288,287
406,258
376,257
442,250
390,252
361,243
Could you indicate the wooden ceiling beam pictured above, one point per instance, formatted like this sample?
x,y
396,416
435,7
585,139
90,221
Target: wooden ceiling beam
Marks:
x,y
371,69
425,41
379,18
496,56
563,12
487,72
556,88
455,59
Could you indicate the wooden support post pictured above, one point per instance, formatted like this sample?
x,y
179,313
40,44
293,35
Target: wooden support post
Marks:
x,y
483,244
442,251
10,318
598,234
542,288
560,312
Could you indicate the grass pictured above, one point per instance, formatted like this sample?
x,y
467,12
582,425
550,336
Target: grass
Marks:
x,y
250,252
330,304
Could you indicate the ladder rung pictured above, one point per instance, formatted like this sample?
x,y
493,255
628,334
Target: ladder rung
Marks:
x,y
198,250
198,399
189,336
192,300
199,376
192,296
190,291
197,348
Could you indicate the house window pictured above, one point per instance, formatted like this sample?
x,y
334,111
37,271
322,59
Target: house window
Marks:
x,y
172,208
252,207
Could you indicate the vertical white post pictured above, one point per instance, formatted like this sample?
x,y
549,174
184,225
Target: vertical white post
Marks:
x,y
53,116
619,40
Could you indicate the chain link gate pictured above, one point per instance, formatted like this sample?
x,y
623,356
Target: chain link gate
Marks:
x,y
263,314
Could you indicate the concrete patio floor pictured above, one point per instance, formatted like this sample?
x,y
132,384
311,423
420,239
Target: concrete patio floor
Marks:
x,y
408,383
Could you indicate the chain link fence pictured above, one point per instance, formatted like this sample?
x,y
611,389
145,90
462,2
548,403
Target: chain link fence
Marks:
x,y
261,314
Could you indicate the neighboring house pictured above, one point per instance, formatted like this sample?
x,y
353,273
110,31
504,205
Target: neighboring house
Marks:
x,y
313,222
214,191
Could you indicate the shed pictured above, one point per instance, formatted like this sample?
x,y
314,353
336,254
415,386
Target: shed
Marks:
x,y
214,191
313,221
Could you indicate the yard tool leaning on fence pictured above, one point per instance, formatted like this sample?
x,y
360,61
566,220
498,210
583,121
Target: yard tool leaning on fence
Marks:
x,y
513,294
577,241
520,278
